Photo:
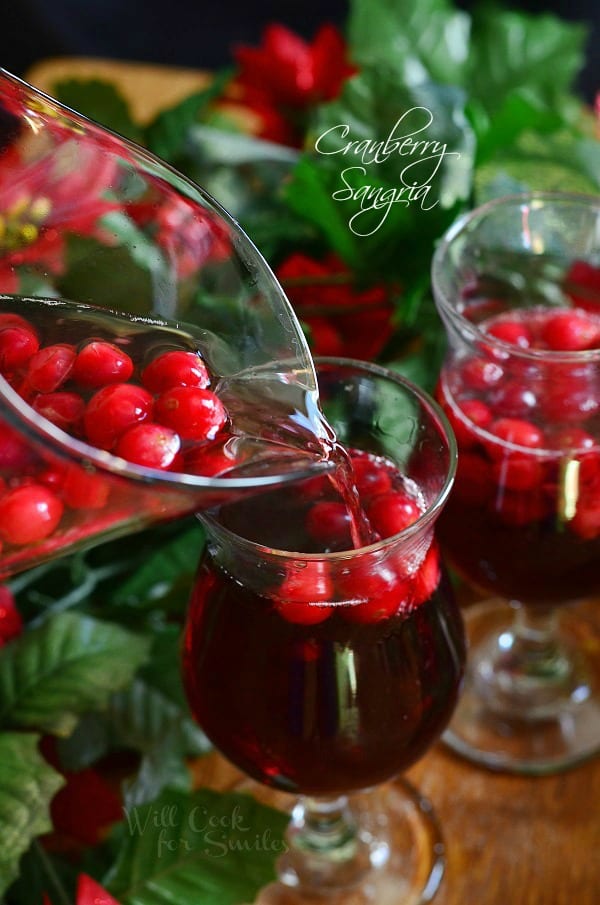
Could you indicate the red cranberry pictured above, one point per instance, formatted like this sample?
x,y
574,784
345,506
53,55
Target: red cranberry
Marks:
x,y
515,432
371,477
17,345
514,399
372,594
65,410
476,416
83,489
175,369
571,438
586,521
50,367
196,414
570,396
519,508
29,513
150,445
328,523
570,331
101,363
113,410
518,472
212,460
11,623
390,513
514,333
301,596
480,374
428,577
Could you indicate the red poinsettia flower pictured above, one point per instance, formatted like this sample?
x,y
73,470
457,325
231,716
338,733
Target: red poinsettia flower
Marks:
x,y
287,75
42,199
342,319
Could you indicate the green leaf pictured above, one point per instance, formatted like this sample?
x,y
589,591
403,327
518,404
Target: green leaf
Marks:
x,y
217,849
426,40
27,785
510,50
99,101
65,667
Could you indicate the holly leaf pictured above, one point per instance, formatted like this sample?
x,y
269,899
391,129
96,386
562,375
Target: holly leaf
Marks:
x,y
27,786
101,102
427,40
68,665
218,849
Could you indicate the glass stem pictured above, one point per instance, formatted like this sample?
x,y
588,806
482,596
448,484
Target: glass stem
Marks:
x,y
325,826
536,650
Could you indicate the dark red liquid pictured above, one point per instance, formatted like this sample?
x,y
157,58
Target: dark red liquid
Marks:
x,y
524,523
341,677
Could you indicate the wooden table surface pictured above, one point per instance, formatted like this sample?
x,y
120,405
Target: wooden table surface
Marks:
x,y
510,840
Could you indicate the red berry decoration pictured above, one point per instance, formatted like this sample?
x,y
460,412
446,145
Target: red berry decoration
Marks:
x,y
195,413
570,331
65,410
83,488
29,513
303,591
516,433
17,345
100,363
390,513
371,477
50,367
148,444
373,595
513,332
328,523
175,369
11,623
113,410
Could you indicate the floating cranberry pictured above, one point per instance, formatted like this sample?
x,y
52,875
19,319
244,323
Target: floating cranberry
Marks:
x,y
302,594
212,460
476,415
113,410
371,477
101,363
373,594
195,413
519,508
148,444
570,331
428,577
175,369
17,345
518,472
571,438
586,521
512,332
390,513
328,523
29,513
514,399
63,409
84,489
515,432
50,367
570,397
480,374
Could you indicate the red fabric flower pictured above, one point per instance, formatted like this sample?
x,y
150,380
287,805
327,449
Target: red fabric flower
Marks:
x,y
342,319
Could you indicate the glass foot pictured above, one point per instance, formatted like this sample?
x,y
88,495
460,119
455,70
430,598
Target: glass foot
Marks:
x,y
404,849
535,721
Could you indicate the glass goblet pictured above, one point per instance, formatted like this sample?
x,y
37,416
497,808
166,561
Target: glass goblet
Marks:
x,y
320,669
516,284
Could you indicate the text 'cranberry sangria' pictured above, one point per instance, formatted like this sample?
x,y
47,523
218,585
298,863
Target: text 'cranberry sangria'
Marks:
x,y
323,650
516,285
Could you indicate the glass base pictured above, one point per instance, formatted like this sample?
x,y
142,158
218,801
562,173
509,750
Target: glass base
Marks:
x,y
537,723
402,859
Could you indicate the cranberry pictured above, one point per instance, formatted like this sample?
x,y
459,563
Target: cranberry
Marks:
x,y
14,452
195,413
150,445
101,363
175,369
29,513
328,523
572,395
514,333
570,331
514,399
480,374
212,460
113,410
84,489
371,477
428,577
302,593
586,521
65,410
11,623
372,595
514,432
477,415
390,513
518,508
518,472
50,367
17,345
571,438
582,282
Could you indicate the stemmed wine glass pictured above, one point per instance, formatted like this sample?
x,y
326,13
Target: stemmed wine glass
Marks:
x,y
321,658
517,285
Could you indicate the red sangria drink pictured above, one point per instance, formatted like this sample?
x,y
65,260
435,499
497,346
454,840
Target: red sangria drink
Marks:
x,y
521,388
150,364
324,651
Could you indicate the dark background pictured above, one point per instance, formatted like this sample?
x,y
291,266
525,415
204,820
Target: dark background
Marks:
x,y
200,34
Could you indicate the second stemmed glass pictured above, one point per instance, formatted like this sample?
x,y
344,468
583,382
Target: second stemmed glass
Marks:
x,y
321,669
517,286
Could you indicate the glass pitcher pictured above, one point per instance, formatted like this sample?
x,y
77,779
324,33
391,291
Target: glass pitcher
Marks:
x,y
98,238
